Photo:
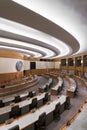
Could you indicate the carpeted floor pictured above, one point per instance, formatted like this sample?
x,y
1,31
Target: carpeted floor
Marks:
x,y
75,105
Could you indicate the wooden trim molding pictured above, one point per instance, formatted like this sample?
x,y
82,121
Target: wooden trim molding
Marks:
x,y
11,54
6,78
14,88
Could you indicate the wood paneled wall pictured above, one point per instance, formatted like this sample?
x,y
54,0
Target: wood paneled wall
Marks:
x,y
5,78
11,54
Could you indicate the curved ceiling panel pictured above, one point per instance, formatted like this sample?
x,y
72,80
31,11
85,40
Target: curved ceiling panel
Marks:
x,y
38,33
70,15
27,46
27,52
27,39
22,30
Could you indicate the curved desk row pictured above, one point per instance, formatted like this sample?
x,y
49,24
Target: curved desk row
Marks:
x,y
24,106
46,86
71,91
81,79
16,98
58,87
27,122
18,87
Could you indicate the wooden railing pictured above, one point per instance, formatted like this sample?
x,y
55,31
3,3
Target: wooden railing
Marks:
x,y
12,89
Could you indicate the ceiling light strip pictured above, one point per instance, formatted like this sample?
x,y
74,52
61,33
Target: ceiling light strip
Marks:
x,y
23,30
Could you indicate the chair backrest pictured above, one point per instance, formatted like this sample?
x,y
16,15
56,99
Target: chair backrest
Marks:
x,y
67,103
14,128
46,87
17,99
68,100
15,111
30,94
2,86
42,119
1,103
34,103
34,93
59,89
45,99
57,109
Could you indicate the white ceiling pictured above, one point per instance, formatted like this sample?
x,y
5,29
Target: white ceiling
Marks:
x,y
44,28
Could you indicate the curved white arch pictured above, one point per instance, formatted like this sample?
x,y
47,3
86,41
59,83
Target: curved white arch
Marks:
x,y
29,53
11,42
16,28
70,15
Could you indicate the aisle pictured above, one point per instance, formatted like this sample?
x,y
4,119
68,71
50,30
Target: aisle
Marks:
x,y
75,105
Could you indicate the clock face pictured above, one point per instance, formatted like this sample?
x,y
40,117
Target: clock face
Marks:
x,y
19,65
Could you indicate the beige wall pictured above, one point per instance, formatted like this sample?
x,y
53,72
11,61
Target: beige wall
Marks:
x,y
26,64
44,65
57,65
8,60
8,65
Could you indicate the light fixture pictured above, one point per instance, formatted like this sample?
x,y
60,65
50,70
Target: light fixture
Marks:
x,y
17,28
29,53
16,43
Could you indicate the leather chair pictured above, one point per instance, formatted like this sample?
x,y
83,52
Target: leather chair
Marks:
x,y
17,99
76,91
33,104
41,123
59,89
46,88
56,112
15,112
2,86
67,103
1,104
46,98
30,94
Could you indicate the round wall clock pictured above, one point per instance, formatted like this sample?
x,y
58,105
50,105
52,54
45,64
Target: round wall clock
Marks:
x,y
19,65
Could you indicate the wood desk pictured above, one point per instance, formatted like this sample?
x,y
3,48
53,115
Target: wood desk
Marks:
x,y
72,89
58,87
46,86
